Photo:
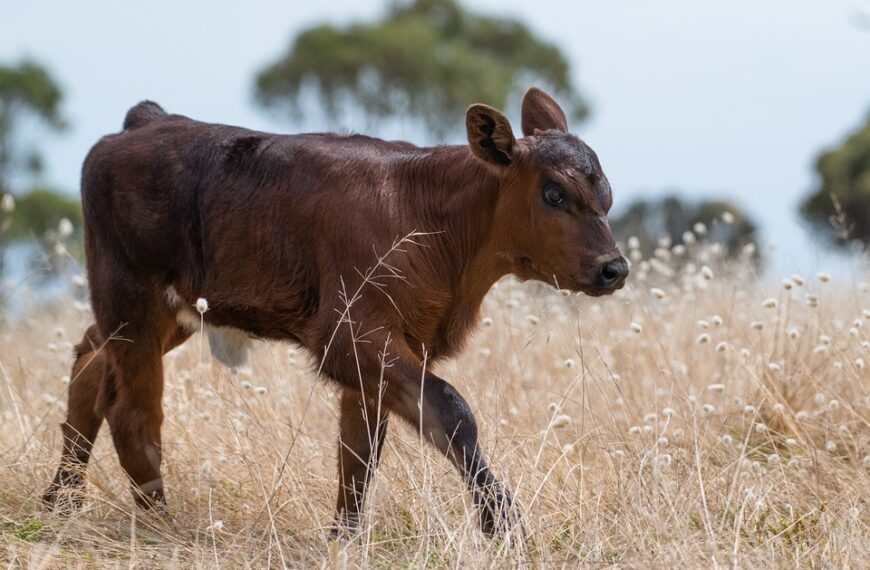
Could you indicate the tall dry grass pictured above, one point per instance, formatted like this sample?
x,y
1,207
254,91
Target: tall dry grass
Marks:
x,y
699,418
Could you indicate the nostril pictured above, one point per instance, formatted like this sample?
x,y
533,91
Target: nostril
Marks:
x,y
610,272
613,271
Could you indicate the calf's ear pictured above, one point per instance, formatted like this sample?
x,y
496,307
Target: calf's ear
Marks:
x,y
489,135
542,113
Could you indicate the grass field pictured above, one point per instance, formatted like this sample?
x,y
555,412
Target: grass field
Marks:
x,y
700,418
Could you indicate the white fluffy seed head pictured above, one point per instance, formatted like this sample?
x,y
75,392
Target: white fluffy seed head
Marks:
x,y
561,421
65,228
787,284
722,346
636,327
569,363
769,303
823,277
709,408
716,387
812,301
756,325
201,305
728,218
700,229
7,203
657,293
798,279
706,273
703,338
717,320
487,321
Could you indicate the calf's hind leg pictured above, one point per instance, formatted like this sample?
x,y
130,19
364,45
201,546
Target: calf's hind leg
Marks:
x,y
82,422
133,402
84,419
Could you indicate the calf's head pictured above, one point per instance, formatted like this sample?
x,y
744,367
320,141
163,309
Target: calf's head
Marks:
x,y
551,211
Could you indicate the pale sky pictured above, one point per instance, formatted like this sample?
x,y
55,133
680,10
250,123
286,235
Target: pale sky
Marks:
x,y
731,99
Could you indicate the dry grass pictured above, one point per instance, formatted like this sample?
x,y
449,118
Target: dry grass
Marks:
x,y
745,447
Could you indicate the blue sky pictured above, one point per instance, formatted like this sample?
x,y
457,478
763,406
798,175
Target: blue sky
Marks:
x,y
729,99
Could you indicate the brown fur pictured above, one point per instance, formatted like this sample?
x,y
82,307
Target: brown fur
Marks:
x,y
277,232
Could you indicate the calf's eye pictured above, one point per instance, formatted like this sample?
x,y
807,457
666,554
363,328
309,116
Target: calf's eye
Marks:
x,y
553,196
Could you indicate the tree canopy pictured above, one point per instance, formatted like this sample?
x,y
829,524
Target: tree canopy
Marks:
x,y
672,217
426,59
839,208
26,91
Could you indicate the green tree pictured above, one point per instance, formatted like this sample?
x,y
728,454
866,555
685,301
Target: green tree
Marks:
x,y
839,208
29,96
425,59
672,217
27,91
38,214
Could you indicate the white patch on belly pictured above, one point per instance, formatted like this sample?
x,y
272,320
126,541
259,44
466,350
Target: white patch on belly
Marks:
x,y
228,345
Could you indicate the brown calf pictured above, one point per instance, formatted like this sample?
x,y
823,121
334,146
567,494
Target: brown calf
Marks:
x,y
278,232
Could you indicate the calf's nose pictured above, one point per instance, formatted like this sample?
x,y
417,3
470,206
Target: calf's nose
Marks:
x,y
613,272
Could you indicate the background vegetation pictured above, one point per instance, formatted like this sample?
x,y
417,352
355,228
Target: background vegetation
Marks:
x,y
696,419
703,416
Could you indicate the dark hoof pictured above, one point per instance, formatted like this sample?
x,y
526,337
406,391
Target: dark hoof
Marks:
x,y
496,512
66,494
344,528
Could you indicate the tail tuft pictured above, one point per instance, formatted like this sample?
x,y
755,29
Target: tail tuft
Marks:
x,y
142,114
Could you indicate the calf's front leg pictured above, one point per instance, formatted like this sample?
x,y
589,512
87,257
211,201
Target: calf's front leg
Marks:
x,y
433,406
362,429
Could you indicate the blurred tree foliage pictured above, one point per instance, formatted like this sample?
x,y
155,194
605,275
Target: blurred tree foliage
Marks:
x,y
840,207
671,217
38,213
427,59
29,102
27,91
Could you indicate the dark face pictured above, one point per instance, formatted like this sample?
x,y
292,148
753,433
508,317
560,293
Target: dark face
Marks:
x,y
566,241
552,208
